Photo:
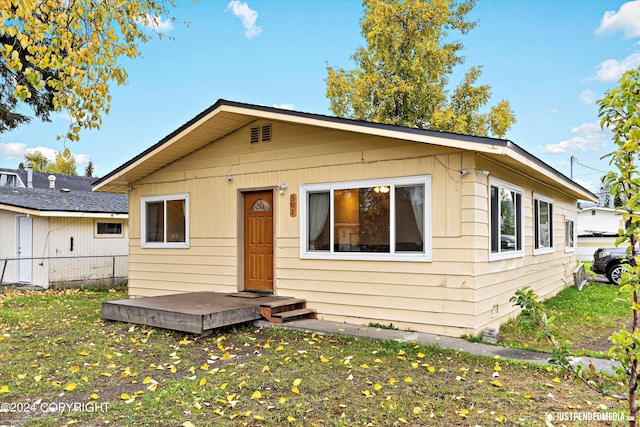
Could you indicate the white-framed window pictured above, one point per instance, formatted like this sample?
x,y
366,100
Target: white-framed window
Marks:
x,y
543,224
381,219
108,228
164,221
569,235
506,225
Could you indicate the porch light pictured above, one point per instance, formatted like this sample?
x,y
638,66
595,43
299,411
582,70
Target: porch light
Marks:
x,y
281,187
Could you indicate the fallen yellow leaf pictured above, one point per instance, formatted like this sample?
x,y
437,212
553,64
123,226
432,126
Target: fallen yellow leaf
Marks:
x,y
94,396
71,386
377,386
431,369
496,383
203,381
187,424
256,395
4,389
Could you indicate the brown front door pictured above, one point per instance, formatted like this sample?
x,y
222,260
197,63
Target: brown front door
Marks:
x,y
258,241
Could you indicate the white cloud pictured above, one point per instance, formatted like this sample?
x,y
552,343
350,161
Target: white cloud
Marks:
x,y
611,69
157,24
13,150
48,152
588,137
587,97
626,20
82,160
285,106
248,17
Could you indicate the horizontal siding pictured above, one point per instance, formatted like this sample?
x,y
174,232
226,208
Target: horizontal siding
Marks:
x,y
453,294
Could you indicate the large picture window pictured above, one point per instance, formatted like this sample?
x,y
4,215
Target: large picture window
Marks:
x,y
543,227
505,211
165,221
381,219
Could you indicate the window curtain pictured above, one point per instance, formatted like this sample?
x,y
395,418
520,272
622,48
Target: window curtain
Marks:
x,y
416,195
318,214
152,221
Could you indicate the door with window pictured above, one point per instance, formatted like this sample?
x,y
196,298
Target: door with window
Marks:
x,y
258,241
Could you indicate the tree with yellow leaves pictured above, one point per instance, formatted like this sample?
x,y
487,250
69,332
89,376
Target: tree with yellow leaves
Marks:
x,y
403,73
61,55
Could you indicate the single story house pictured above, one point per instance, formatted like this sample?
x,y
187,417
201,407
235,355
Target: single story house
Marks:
x,y
597,227
368,222
55,230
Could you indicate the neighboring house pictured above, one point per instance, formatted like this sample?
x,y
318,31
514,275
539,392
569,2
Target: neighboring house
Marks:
x,y
368,222
597,228
50,224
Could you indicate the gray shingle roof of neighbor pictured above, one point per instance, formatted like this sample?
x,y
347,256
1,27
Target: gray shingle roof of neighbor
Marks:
x,y
41,180
55,200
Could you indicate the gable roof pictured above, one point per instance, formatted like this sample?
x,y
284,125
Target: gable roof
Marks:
x,y
49,202
225,117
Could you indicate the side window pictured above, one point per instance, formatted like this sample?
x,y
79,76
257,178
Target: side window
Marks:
x,y
109,229
506,222
543,224
569,235
164,221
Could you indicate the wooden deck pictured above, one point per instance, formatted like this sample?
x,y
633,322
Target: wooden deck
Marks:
x,y
193,312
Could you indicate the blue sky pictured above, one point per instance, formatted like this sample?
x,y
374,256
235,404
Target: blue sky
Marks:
x,y
550,58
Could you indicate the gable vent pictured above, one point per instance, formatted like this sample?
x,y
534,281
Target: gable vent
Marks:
x,y
255,135
266,133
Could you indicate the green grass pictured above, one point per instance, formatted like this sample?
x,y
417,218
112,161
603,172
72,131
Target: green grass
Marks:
x,y
586,318
55,347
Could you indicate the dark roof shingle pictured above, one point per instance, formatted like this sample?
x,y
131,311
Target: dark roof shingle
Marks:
x,y
50,200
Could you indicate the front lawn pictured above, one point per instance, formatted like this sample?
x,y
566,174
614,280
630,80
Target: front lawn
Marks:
x,y
586,318
57,353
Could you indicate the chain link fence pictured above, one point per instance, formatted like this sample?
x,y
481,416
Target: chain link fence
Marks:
x,y
61,272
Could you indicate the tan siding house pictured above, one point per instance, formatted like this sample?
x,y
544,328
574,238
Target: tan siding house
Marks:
x,y
368,222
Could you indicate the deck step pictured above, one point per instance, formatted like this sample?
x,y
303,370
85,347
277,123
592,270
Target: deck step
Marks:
x,y
301,313
282,303
286,309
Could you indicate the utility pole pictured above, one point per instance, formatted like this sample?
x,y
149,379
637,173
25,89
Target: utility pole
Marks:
x,y
572,159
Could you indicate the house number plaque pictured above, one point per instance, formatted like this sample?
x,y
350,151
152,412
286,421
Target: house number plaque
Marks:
x,y
293,205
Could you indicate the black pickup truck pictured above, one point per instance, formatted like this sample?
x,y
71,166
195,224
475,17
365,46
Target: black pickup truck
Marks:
x,y
610,262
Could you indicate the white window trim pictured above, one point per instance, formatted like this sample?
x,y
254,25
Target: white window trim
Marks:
x,y
575,242
425,256
536,198
107,236
496,182
143,222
